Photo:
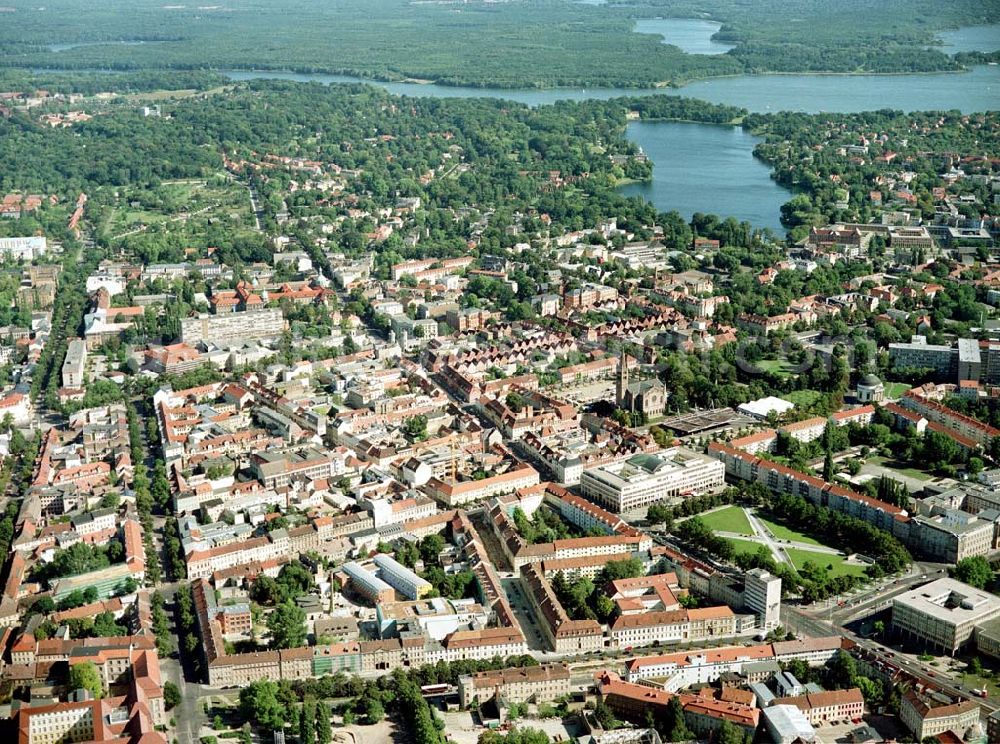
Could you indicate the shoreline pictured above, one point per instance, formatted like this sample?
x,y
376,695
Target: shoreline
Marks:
x,y
488,90
659,85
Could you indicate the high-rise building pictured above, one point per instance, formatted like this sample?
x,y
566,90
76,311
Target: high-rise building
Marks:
x,y
74,364
762,597
918,354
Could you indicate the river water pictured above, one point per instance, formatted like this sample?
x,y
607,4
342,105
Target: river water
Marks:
x,y
77,45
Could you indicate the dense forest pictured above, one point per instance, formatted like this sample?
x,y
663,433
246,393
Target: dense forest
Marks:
x,y
529,43
507,149
124,83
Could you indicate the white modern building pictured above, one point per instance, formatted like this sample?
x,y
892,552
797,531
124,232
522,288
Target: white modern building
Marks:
x,y
762,597
232,328
25,249
943,613
787,724
435,617
760,409
113,285
74,364
647,479
405,581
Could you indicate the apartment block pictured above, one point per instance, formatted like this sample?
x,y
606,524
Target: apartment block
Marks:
x,y
950,536
564,636
74,364
128,717
430,268
806,431
232,328
257,550
813,651
26,249
466,492
174,359
918,354
926,716
281,467
937,413
703,715
828,706
697,666
617,546
676,626
782,479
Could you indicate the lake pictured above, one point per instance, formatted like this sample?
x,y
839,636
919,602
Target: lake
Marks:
x,y
976,90
707,168
690,35
971,39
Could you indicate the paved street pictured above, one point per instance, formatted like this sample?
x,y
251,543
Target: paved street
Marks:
x,y
525,616
189,714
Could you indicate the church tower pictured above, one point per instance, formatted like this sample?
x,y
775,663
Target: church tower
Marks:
x,y
622,385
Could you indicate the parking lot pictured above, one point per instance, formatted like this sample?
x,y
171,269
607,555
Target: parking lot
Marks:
x,y
837,733
588,392
462,728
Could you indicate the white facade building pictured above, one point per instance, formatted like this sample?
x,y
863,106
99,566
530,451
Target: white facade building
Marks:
x,y
762,597
647,479
232,327
401,578
74,364
25,249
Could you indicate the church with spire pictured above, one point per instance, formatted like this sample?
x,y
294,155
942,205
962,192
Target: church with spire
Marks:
x,y
648,397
